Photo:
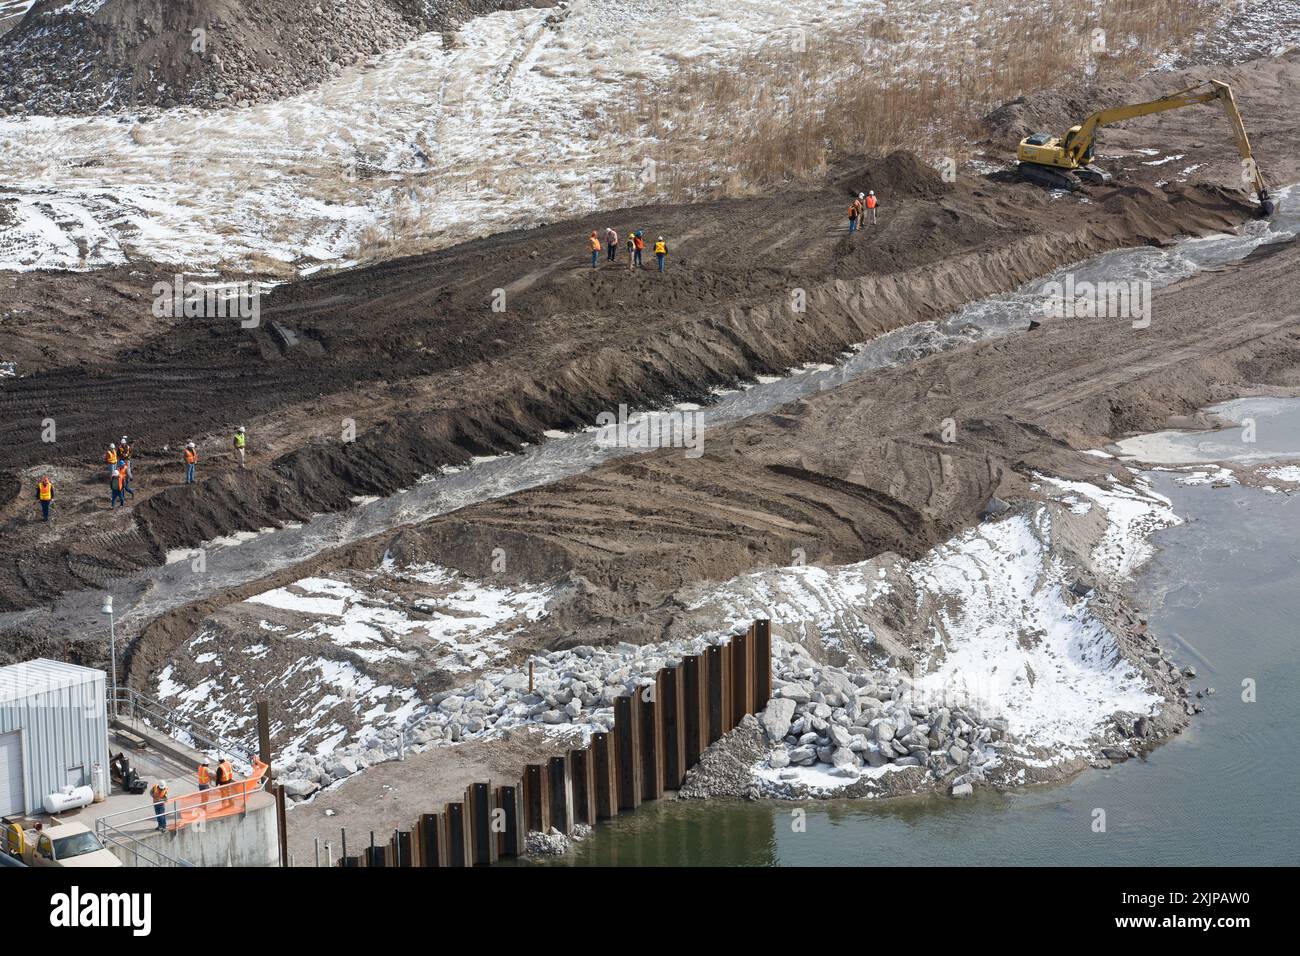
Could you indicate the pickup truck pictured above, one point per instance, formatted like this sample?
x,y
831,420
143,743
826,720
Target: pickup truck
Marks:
x,y
58,844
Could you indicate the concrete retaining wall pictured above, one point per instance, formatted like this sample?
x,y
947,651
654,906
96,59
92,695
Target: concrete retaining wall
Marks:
x,y
251,839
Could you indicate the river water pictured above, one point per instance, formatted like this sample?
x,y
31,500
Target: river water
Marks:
x,y
1224,595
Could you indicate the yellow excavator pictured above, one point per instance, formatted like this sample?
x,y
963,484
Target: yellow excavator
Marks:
x,y
1065,162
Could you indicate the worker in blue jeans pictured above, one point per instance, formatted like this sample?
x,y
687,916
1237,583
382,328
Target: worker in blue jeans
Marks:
x,y
117,486
158,793
661,252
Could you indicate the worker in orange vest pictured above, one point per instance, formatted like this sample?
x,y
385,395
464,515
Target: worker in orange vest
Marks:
x,y
594,241
854,212
110,459
158,793
225,776
191,459
205,776
124,454
117,485
871,205
45,494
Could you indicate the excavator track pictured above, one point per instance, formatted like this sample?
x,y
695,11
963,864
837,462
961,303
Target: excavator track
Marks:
x,y
1049,177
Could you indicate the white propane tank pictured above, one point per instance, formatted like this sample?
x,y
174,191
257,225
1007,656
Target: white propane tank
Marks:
x,y
69,798
97,781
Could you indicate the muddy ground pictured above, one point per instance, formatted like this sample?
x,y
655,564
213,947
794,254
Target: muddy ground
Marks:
x,y
413,353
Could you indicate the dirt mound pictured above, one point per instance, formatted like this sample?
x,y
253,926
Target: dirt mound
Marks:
x,y
133,54
901,174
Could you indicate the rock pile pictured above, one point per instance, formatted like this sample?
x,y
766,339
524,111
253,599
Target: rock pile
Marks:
x,y
854,721
572,690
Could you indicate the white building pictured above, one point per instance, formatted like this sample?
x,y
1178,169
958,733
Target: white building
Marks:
x,y
53,730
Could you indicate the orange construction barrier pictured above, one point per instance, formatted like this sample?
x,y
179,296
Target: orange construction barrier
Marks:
x,y
224,801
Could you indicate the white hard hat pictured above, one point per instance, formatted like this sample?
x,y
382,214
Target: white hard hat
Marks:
x,y
111,446
871,192
189,444
661,239
860,195
123,438
241,428
162,783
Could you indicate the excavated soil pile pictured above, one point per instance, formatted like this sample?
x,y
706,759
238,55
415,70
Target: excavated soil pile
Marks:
x,y
133,54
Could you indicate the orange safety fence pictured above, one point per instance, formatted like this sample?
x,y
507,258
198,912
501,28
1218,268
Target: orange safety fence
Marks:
x,y
222,801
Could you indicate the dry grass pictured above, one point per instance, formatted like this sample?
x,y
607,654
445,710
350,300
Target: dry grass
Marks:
x,y
905,80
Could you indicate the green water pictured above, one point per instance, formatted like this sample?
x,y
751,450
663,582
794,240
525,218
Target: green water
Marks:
x,y
1224,590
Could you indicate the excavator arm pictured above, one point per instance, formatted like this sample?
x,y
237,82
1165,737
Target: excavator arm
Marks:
x,y
1075,148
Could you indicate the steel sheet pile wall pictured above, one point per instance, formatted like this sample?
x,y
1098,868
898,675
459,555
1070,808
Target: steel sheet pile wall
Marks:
x,y
656,739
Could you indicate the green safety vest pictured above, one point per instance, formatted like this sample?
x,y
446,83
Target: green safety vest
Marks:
x,y
239,439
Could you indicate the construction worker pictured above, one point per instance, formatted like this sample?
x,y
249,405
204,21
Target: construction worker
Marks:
x,y
871,205
661,252
631,251
158,793
225,777
110,459
124,454
241,440
191,459
640,247
45,494
117,486
854,211
595,249
611,243
205,776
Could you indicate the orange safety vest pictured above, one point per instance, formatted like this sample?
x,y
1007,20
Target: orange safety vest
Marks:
x,y
45,489
110,457
124,452
190,456
120,477
640,243
225,773
595,244
158,793
871,202
853,210
204,776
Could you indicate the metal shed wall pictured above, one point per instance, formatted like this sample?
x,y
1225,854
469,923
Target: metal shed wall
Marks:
x,y
61,714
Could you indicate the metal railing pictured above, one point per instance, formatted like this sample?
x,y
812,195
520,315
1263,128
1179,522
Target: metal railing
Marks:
x,y
142,854
131,705
191,809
